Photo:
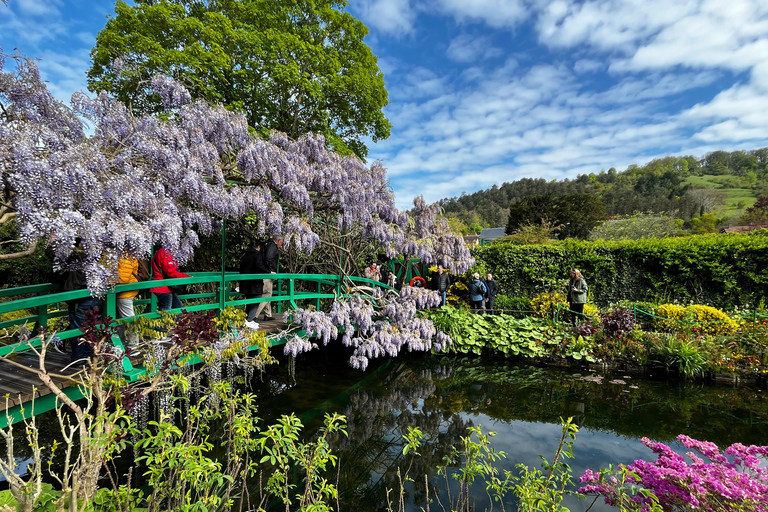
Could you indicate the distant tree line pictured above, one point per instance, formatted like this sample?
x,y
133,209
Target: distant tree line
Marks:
x,y
658,186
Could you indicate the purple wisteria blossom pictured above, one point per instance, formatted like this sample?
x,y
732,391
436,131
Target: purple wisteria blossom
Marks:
x,y
145,180
375,325
734,480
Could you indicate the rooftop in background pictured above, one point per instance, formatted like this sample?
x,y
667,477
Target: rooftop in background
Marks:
x,y
492,233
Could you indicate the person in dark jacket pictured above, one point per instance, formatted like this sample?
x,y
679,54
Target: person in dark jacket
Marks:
x,y
390,279
271,261
252,263
441,282
163,267
491,291
73,278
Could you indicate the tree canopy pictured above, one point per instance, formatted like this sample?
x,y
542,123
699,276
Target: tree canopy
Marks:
x,y
297,67
574,214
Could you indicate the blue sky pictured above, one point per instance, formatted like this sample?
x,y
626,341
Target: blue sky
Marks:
x,y
488,91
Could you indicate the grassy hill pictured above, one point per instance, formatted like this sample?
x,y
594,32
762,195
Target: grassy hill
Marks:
x,y
736,197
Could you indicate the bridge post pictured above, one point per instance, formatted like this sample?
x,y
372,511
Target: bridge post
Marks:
x,y
223,285
42,316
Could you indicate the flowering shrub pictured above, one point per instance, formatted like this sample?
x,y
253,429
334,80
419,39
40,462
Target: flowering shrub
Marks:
x,y
545,304
733,480
619,320
673,316
712,321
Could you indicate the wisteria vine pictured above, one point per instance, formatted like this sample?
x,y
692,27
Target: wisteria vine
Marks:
x,y
144,180
374,325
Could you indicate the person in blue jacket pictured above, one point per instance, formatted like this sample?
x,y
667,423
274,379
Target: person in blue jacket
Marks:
x,y
477,291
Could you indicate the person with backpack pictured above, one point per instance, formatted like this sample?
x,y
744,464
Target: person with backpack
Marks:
x,y
252,262
477,291
271,261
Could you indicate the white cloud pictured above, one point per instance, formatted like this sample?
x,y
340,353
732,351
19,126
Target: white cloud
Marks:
x,y
466,48
396,17
494,13
587,66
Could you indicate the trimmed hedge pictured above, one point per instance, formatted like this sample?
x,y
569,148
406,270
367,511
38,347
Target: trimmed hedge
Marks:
x,y
718,270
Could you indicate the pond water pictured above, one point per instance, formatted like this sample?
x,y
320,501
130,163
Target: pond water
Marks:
x,y
523,404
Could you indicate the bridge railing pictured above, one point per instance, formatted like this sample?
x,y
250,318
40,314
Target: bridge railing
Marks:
x,y
47,302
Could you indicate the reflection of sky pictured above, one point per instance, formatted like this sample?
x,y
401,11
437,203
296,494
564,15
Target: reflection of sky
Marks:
x,y
523,442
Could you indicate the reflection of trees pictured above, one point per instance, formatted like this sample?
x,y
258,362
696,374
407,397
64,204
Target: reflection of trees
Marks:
x,y
639,407
377,419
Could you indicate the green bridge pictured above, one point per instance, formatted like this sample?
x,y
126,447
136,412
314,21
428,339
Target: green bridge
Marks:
x,y
21,388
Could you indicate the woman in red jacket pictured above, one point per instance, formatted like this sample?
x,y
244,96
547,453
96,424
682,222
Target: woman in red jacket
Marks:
x,y
163,267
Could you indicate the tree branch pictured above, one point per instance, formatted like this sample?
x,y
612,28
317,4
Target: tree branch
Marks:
x,y
7,216
21,254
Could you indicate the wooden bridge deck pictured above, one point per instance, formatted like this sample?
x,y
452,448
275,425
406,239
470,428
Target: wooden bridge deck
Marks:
x,y
21,386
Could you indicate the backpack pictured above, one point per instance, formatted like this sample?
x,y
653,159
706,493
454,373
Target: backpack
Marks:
x,y
143,274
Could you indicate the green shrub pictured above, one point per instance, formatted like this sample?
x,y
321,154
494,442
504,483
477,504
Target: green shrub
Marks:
x,y
512,303
718,270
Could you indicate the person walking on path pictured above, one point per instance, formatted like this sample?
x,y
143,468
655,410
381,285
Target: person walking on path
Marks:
x,y
163,267
577,295
477,292
442,281
271,259
252,262
491,291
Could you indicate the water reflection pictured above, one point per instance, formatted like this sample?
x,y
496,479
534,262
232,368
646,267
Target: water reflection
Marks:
x,y
523,404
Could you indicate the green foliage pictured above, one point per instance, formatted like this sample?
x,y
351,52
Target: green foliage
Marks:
x,y
682,356
536,490
706,223
512,303
507,335
296,67
573,215
32,269
717,270
298,476
638,227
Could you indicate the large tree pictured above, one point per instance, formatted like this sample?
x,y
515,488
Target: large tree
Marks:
x,y
295,66
574,214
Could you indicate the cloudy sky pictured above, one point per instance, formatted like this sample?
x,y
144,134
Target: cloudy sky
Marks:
x,y
488,91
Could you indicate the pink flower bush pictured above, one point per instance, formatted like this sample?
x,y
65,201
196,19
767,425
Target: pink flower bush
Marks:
x,y
733,480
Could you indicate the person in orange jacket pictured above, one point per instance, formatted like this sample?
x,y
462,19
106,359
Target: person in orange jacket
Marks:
x,y
127,272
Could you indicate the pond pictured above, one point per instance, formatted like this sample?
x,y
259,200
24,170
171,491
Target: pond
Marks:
x,y
523,404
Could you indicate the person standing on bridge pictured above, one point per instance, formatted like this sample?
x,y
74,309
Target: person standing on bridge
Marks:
x,y
271,262
252,262
163,267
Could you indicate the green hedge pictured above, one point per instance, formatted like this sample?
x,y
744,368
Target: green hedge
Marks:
x,y
717,270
